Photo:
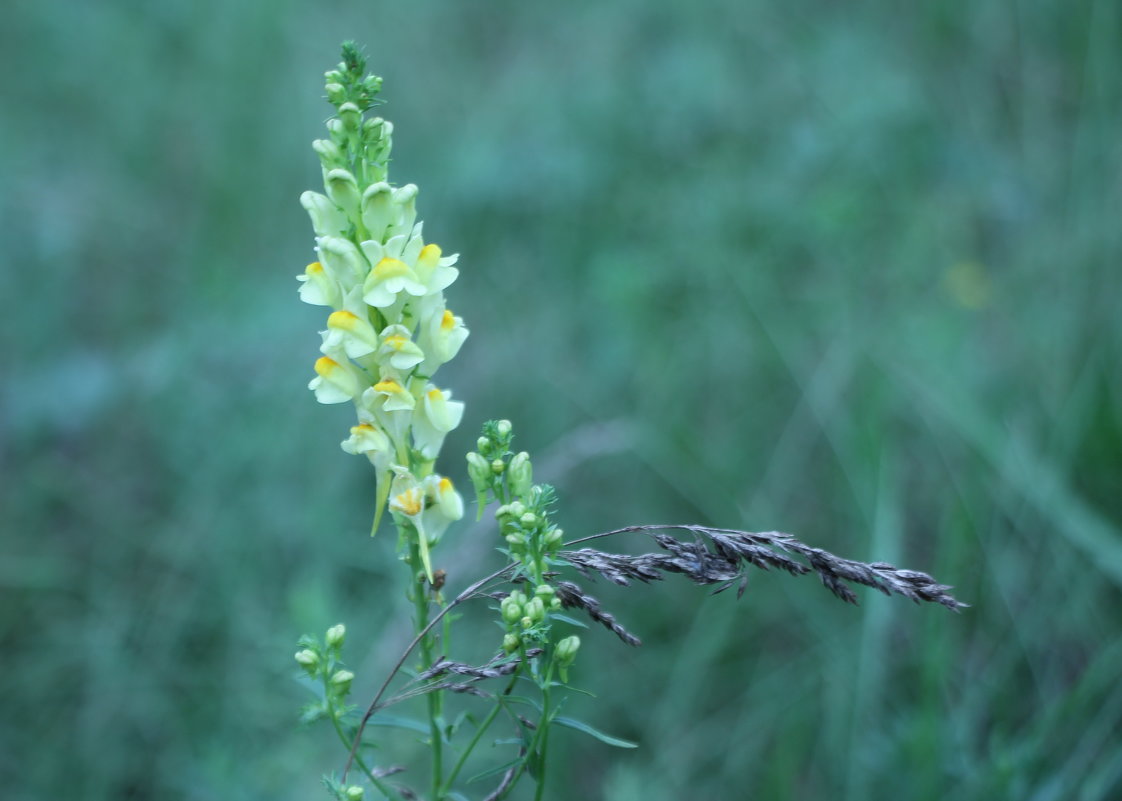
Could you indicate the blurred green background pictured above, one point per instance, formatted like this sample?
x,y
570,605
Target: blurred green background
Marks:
x,y
845,270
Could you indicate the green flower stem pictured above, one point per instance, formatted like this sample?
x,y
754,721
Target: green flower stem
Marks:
x,y
537,562
378,783
373,706
540,743
541,736
434,699
332,713
479,732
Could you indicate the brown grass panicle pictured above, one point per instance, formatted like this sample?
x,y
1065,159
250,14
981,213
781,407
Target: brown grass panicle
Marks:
x,y
722,556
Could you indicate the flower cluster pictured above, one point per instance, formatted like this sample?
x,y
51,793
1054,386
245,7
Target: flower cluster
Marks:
x,y
389,329
531,538
321,661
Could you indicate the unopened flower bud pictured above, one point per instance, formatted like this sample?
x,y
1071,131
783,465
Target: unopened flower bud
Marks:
x,y
511,609
329,153
377,132
511,643
498,466
405,196
503,428
378,211
535,609
479,471
335,635
350,116
520,474
553,539
566,653
333,76
544,591
342,679
555,603
527,622
517,509
342,188
308,660
529,520
516,538
336,93
373,129
482,443
354,793
567,649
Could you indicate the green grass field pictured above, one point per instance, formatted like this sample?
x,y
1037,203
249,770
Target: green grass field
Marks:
x,y
848,271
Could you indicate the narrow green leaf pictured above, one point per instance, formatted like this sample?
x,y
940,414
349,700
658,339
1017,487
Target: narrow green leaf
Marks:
x,y
495,771
521,699
393,722
572,621
451,729
570,688
599,735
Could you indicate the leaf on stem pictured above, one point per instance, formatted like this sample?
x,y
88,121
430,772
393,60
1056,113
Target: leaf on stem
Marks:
x,y
607,739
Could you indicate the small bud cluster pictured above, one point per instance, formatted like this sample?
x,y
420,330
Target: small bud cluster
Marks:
x,y
488,462
348,83
322,661
343,792
389,329
526,617
531,539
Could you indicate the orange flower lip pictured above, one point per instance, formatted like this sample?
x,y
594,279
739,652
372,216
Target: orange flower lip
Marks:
x,y
342,319
430,254
326,366
390,268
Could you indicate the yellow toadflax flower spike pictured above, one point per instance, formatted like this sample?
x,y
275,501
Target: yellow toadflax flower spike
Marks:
x,y
388,328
